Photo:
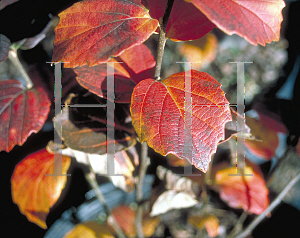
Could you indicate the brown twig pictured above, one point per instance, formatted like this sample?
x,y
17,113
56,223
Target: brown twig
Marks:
x,y
160,52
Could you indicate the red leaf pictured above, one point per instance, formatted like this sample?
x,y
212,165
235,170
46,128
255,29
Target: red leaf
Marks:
x,y
34,192
91,31
157,110
185,22
137,64
247,192
258,21
21,112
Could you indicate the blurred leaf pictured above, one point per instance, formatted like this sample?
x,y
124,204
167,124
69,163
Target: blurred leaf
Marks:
x,y
174,161
137,64
89,229
22,112
266,147
90,32
172,200
210,221
33,191
175,182
125,217
4,47
247,192
202,50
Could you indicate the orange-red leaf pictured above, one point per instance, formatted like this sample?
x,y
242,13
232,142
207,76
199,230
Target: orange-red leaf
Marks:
x,y
247,192
186,22
21,112
125,217
91,31
258,21
157,110
34,192
203,50
137,64
210,221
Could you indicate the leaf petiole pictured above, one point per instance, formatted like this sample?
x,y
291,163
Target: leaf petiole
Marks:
x,y
13,56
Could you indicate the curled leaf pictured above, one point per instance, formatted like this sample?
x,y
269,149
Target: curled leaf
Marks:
x,y
172,200
33,191
267,139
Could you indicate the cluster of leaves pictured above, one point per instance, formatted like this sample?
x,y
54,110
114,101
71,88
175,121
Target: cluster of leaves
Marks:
x,y
101,39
